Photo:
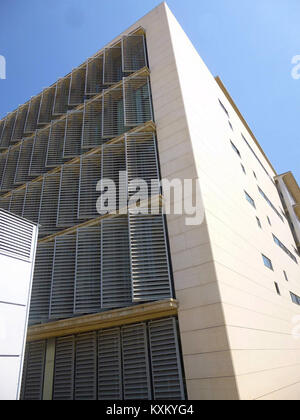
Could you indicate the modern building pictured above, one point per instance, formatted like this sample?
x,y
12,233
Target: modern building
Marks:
x,y
18,240
132,306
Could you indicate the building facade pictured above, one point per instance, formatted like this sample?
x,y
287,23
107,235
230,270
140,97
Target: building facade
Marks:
x,y
148,306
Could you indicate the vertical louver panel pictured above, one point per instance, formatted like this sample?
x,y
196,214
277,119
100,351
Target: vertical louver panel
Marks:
x,y
5,203
7,131
32,201
77,88
8,176
32,115
41,285
56,144
24,159
86,367
63,382
68,196
62,291
90,174
136,375
113,113
137,101
3,159
2,125
39,151
94,77
133,53
88,270
72,141
49,204
165,360
18,131
109,365
115,268
17,202
46,106
112,65
149,258
61,97
33,372
92,124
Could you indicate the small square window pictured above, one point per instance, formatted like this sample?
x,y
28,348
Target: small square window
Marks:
x,y
267,262
250,199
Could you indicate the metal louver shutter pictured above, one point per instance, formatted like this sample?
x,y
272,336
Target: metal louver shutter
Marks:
x,y
49,204
16,236
137,101
90,174
92,124
86,367
22,169
136,376
113,113
165,360
63,382
115,269
62,290
8,176
2,125
73,133
38,155
133,53
46,106
32,201
56,144
61,98
112,65
88,270
18,131
17,202
32,115
149,258
5,203
109,365
33,372
5,139
41,284
77,88
68,196
94,77
3,159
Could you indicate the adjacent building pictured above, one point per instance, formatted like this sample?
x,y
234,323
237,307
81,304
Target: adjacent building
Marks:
x,y
147,306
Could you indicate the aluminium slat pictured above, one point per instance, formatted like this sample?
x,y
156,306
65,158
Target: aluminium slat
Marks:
x,y
63,381
165,360
5,202
33,372
32,201
62,290
7,131
133,53
137,101
68,196
18,131
109,365
112,72
94,75
88,270
17,202
24,159
8,175
2,125
92,125
54,155
46,106
3,159
77,87
113,123
49,204
61,97
38,155
41,284
115,263
150,270
135,361
32,115
90,174
86,367
73,134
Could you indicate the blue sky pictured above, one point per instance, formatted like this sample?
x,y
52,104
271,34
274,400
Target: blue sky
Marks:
x,y
249,44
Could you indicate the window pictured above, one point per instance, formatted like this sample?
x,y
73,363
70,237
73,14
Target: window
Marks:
x,y
224,109
254,175
295,298
277,288
256,157
284,248
267,262
250,199
230,125
235,148
243,168
258,222
270,203
269,221
285,275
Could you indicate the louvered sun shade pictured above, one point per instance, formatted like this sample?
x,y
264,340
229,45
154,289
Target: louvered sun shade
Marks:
x,y
49,204
7,131
24,160
92,124
9,172
77,88
86,367
18,131
61,97
33,371
94,77
5,203
72,141
32,201
113,113
137,101
55,147
90,174
46,106
113,72
2,125
32,115
38,155
17,202
68,196
63,383
3,159
133,53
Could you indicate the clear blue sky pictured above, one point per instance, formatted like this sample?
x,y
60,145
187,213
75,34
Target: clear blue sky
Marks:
x,y
249,44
